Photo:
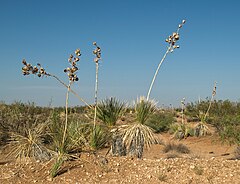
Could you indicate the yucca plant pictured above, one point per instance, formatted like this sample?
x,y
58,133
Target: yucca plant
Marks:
x,y
29,146
99,137
110,110
201,129
181,130
136,136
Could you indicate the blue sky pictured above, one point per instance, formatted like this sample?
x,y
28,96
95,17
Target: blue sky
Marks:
x,y
131,34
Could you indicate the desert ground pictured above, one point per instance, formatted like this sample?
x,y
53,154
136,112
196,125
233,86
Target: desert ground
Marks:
x,y
209,161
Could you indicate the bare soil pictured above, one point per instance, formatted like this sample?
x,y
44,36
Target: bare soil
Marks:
x,y
209,161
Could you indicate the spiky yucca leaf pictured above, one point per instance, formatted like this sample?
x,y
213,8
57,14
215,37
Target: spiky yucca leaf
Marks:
x,y
136,137
144,109
201,129
99,137
29,146
110,110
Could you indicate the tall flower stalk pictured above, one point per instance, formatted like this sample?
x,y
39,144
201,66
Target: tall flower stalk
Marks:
x,y
214,91
172,41
72,76
97,53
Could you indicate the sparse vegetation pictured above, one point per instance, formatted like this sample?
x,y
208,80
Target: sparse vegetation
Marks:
x,y
179,148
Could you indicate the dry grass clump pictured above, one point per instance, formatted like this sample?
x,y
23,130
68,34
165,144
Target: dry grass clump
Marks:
x,y
29,146
179,148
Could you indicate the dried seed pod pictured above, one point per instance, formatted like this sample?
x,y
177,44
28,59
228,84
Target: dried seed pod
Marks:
x,y
177,37
94,43
98,55
166,40
183,21
96,60
25,68
180,26
24,62
39,75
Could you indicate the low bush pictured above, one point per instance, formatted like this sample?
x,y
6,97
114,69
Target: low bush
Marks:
x,y
161,121
179,148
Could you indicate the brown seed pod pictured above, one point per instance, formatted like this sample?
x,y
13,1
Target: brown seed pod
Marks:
x,y
96,60
94,43
24,62
177,37
25,68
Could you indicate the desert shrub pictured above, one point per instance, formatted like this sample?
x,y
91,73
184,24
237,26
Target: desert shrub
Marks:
x,y
161,121
179,148
181,130
229,129
110,110
18,117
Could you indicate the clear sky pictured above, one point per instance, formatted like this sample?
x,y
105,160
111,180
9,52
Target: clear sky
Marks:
x,y
131,34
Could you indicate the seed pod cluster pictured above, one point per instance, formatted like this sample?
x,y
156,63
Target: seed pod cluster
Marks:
x,y
172,39
97,53
71,71
28,69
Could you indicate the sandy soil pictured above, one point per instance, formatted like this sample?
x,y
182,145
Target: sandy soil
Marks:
x,y
209,161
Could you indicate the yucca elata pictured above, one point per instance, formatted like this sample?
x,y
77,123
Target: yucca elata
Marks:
x,y
136,136
172,40
29,145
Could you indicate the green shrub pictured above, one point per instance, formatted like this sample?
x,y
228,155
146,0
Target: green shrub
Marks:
x,y
160,122
228,128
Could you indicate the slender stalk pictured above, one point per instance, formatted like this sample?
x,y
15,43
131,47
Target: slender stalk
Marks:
x,y
155,75
182,114
213,94
66,113
70,89
95,97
